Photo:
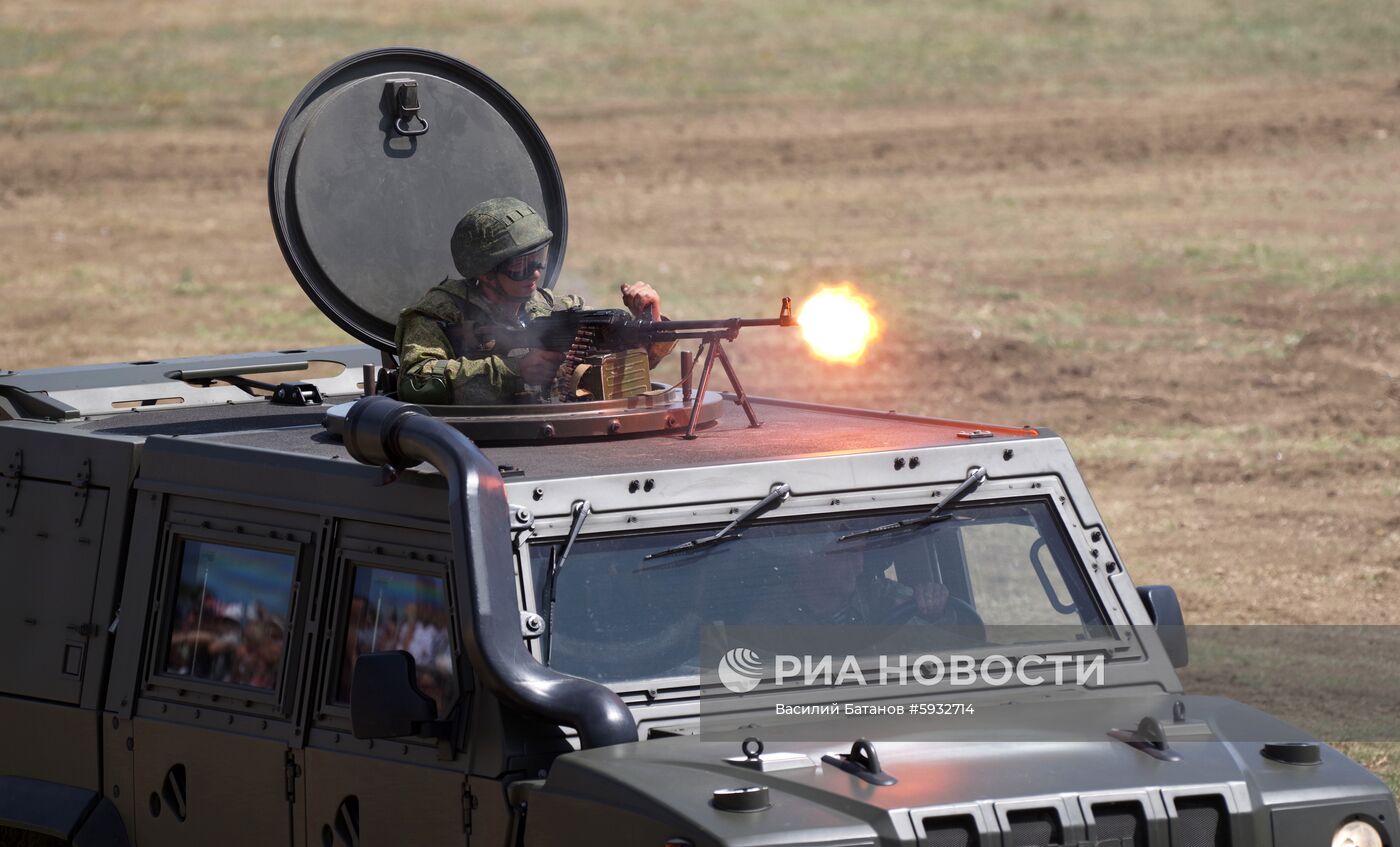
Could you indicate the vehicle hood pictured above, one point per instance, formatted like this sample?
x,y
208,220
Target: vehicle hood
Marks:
x,y
666,784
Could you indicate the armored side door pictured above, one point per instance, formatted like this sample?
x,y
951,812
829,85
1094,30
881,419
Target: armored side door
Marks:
x,y
214,734
389,592
62,501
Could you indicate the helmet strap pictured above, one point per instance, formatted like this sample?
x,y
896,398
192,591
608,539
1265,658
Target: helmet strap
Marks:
x,y
496,293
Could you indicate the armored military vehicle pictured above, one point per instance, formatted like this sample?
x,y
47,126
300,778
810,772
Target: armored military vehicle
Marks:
x,y
254,599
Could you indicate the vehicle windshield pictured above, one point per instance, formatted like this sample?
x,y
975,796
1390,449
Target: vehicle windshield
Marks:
x,y
620,618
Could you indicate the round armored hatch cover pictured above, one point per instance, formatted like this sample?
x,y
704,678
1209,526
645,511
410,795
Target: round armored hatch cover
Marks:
x,y
366,190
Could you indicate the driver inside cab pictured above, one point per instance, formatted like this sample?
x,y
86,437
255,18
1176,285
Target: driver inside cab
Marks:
x,y
839,584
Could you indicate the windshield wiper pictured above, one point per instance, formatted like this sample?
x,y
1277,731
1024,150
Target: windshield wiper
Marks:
x,y
938,513
775,498
582,509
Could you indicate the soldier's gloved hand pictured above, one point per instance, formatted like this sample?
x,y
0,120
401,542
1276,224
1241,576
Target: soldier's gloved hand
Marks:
x,y
931,598
640,299
538,367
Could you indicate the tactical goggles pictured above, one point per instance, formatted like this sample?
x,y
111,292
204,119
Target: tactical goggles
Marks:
x,y
522,267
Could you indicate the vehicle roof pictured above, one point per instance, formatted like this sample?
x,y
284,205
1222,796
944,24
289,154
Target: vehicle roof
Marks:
x,y
790,429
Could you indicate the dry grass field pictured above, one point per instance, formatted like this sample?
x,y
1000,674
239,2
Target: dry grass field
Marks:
x,y
1167,231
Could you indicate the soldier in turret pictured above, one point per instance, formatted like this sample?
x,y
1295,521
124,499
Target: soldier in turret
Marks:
x,y
501,248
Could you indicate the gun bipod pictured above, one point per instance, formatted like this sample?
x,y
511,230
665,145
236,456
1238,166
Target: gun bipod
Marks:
x,y
713,349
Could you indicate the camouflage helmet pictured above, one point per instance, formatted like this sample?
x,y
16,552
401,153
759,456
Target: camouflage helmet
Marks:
x,y
493,231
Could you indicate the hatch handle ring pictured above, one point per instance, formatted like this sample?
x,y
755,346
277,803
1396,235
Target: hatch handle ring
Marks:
x,y
404,96
862,762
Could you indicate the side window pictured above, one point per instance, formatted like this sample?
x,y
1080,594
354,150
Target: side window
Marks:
x,y
231,614
399,610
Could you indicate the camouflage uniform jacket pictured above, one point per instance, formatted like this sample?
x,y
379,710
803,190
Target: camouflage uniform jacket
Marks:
x,y
433,370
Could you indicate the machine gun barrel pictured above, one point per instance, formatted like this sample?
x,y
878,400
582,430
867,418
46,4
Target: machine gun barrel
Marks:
x,y
654,331
695,329
727,323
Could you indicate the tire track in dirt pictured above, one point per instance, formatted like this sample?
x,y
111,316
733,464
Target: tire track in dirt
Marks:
x,y
811,141
73,163
1040,137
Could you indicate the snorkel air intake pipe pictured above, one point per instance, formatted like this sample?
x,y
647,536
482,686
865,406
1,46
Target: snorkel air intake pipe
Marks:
x,y
380,431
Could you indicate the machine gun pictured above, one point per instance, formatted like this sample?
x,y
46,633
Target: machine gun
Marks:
x,y
606,351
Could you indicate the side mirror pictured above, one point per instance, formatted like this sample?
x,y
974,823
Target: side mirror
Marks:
x,y
385,701
1165,611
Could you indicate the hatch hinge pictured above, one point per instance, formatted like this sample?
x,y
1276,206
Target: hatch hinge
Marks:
x,y
295,394
12,474
290,771
81,484
468,806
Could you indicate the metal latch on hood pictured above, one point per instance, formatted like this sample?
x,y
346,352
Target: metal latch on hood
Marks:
x,y
862,762
754,758
1153,737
